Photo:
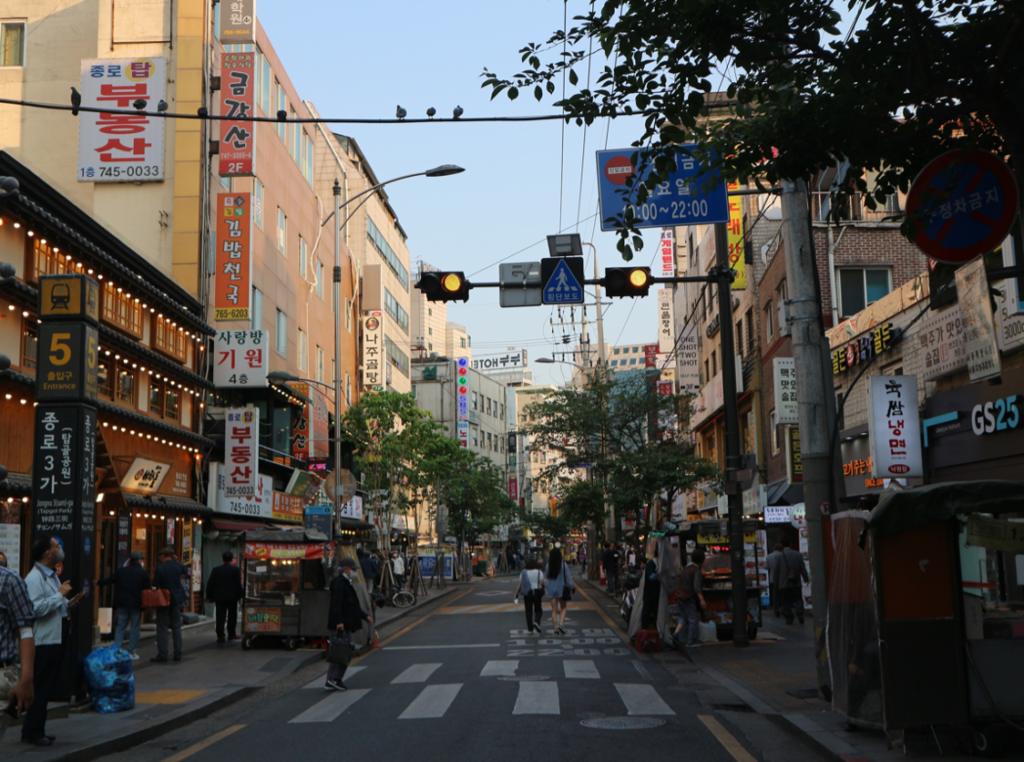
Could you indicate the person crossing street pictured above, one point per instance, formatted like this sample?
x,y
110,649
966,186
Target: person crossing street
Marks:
x,y
345,616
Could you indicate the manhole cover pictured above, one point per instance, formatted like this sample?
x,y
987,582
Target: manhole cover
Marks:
x,y
622,723
523,678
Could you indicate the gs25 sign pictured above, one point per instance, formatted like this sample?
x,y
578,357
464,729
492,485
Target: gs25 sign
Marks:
x,y
1000,415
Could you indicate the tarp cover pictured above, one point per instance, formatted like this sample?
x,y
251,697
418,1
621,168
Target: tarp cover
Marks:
x,y
904,510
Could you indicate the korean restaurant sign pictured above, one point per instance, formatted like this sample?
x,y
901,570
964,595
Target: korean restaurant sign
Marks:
x,y
241,445
650,355
288,507
981,338
894,434
118,148
145,476
863,349
233,274
666,322
667,253
735,239
237,21
240,359
784,369
373,352
259,505
310,432
237,99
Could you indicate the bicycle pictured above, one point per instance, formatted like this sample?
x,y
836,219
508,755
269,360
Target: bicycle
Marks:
x,y
400,598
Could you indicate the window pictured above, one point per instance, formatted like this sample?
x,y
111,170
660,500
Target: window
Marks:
x,y
396,356
348,388
12,40
171,403
303,350
773,430
714,363
257,207
430,311
302,257
769,320
616,350
474,401
739,337
707,371
385,250
281,331
463,342
632,361
502,413
489,444
615,362
282,231
430,331
121,309
169,339
394,309
840,416
156,397
29,347
488,405
896,369
859,287
257,309
125,385
320,279
103,379
475,437
263,91
279,105
48,260
348,314
750,329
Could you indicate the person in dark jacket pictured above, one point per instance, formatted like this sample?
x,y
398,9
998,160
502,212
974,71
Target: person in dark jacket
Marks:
x,y
167,576
345,616
224,590
129,581
652,594
369,566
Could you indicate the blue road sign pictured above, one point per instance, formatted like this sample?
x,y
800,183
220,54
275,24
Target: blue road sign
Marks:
x,y
677,201
563,287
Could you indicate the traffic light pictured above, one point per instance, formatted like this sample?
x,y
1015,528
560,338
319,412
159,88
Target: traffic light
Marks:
x,y
444,286
627,281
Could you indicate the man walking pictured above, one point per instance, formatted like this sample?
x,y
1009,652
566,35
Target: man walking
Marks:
x,y
398,567
792,589
691,591
167,576
776,575
610,560
49,598
224,590
345,616
368,565
129,581
17,646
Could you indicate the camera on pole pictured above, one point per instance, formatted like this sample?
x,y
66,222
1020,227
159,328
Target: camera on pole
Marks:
x,y
444,286
627,281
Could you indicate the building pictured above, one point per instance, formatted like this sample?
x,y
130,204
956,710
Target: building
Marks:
x,y
533,494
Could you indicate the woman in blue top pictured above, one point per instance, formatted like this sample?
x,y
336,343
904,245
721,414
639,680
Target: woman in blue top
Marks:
x,y
560,587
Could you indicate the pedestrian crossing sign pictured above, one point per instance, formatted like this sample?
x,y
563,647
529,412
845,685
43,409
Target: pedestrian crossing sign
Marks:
x,y
563,280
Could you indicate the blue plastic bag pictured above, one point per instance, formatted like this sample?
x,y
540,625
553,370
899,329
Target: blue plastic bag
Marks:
x,y
108,673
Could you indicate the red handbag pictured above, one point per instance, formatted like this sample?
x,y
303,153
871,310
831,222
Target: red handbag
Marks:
x,y
156,599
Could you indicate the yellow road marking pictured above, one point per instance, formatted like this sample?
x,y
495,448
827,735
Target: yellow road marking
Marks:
x,y
734,747
604,614
207,742
166,697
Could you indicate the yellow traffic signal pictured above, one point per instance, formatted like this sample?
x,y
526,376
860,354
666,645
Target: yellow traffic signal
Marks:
x,y
451,282
441,286
627,281
639,278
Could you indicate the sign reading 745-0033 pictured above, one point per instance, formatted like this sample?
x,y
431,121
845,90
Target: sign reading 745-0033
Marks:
x,y
67,362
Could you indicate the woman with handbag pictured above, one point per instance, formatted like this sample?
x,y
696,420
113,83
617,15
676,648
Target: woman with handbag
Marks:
x,y
560,589
531,584
344,617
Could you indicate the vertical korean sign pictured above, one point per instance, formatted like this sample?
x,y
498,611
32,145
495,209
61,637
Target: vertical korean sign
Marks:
x,y
667,253
982,349
666,322
242,442
735,230
232,287
785,390
302,429
894,434
462,372
373,353
121,147
237,99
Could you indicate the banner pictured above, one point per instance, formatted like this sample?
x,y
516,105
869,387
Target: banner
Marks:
x,y
667,253
894,432
241,445
240,359
666,322
232,287
735,237
373,353
982,349
237,99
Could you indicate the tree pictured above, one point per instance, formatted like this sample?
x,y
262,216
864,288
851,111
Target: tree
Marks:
x,y
916,78
475,497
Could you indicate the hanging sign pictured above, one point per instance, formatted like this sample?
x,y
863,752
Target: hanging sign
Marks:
x,y
666,322
241,451
237,99
894,434
784,369
979,323
734,229
667,252
233,275
240,359
373,344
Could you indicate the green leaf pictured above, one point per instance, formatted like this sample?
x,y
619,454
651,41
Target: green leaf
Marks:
x,y
573,79
538,93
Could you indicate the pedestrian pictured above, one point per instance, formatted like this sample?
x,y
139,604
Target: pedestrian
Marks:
x,y
631,559
17,647
50,600
129,581
368,565
690,593
792,587
776,574
559,587
652,593
344,617
224,590
167,576
531,585
611,560
398,567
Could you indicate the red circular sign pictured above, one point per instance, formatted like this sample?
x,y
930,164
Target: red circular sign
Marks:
x,y
962,205
618,169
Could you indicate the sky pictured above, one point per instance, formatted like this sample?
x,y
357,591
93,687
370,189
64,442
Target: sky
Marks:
x,y
523,181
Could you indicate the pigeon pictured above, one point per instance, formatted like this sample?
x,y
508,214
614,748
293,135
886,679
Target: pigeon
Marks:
x,y
457,112
76,101
162,105
400,112
282,116
203,111
139,103
431,111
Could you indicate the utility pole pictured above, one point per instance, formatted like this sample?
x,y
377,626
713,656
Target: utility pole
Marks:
x,y
336,295
732,439
813,397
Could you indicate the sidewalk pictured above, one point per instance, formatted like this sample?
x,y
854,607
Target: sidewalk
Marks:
x,y
168,696
776,678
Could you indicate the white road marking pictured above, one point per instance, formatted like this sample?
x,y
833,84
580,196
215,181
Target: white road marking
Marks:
x,y
642,699
417,673
329,708
318,683
432,702
492,593
581,669
642,670
426,648
500,668
537,698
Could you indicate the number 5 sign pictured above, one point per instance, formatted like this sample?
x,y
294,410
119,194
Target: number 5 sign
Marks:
x,y
68,349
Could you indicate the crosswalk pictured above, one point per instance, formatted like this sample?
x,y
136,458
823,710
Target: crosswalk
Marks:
x,y
538,696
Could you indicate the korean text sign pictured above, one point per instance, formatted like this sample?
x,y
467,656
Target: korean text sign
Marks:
x,y
237,99
241,444
121,147
237,21
373,352
735,238
667,253
894,434
240,359
666,322
233,276
785,389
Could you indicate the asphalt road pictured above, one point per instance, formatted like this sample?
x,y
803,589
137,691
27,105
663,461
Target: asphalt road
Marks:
x,y
464,680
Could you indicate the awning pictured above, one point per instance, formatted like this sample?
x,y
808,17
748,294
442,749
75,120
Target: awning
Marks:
x,y
906,509
354,524
235,526
283,550
183,505
781,492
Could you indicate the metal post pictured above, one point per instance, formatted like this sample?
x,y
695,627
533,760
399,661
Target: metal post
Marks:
x,y
812,409
732,440
602,361
337,349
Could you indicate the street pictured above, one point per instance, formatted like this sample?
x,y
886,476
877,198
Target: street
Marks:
x,y
464,679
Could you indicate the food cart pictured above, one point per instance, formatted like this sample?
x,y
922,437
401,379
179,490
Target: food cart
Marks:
x,y
286,585
948,567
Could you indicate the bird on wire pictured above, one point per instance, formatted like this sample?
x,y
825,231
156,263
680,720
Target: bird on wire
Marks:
x,y
400,112
76,101
139,103
282,116
457,112
162,105
430,112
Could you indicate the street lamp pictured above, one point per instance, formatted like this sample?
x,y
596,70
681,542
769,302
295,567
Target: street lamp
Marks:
x,y
442,171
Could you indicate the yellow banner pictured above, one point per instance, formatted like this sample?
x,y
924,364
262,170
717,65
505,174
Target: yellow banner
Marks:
x,y
714,538
736,260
